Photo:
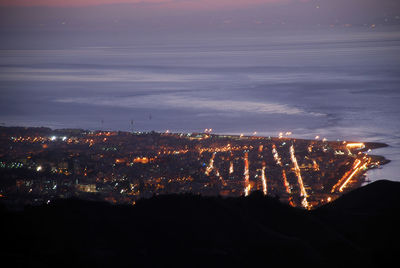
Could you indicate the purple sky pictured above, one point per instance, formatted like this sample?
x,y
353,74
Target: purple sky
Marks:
x,y
193,14
175,3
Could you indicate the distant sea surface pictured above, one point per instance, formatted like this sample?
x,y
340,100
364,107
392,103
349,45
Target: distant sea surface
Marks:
x,y
337,85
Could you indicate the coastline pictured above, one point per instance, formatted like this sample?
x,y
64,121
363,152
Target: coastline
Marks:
x,y
305,173
369,146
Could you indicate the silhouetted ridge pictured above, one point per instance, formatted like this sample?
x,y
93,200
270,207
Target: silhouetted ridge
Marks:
x,y
374,197
194,231
368,216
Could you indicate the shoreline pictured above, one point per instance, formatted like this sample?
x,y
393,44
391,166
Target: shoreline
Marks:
x,y
122,167
369,146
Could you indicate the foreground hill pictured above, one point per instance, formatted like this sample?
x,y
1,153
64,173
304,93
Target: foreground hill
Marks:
x,y
369,217
192,231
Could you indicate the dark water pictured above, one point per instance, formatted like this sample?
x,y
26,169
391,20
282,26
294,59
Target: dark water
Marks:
x,y
342,85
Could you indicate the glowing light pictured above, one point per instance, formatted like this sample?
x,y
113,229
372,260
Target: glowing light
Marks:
x,y
53,138
303,192
276,155
143,160
355,145
309,148
246,175
231,167
348,174
285,182
39,168
210,165
339,153
264,179
351,176
260,148
315,166
316,137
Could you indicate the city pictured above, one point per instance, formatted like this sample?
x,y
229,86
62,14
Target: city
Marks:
x,y
39,165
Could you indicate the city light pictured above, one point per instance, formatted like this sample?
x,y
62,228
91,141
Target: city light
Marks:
x,y
303,192
264,179
103,162
355,145
246,175
210,165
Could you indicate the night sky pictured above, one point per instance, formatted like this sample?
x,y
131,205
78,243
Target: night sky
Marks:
x,y
150,15
312,67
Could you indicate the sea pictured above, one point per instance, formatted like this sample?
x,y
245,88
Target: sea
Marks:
x,y
336,84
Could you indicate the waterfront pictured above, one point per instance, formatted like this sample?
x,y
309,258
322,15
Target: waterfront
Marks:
x,y
39,165
342,84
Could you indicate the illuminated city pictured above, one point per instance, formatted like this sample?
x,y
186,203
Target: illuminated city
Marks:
x,y
200,133
121,167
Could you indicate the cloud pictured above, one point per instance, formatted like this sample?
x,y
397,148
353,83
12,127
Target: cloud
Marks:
x,y
69,3
188,3
91,75
166,101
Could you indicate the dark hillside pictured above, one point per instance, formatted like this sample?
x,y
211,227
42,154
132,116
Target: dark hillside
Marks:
x,y
368,216
194,231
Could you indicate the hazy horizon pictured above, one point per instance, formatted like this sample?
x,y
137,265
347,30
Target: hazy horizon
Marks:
x,y
328,68
200,15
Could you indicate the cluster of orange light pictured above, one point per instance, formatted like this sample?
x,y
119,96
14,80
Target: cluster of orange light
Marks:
x,y
346,175
315,166
231,167
278,162
226,148
104,133
168,152
276,155
30,139
351,176
355,145
210,165
263,178
246,175
120,160
143,160
285,182
303,192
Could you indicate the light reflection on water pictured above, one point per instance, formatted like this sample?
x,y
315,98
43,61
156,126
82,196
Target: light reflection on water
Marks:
x,y
344,86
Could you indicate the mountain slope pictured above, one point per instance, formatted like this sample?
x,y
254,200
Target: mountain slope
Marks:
x,y
188,230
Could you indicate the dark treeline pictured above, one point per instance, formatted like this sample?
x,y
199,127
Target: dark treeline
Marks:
x,y
358,229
